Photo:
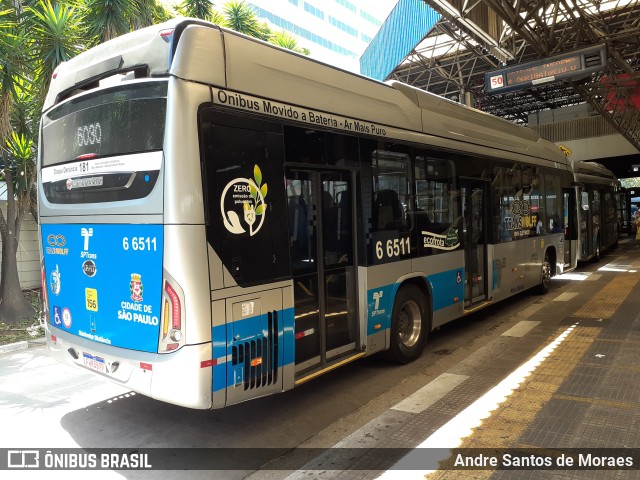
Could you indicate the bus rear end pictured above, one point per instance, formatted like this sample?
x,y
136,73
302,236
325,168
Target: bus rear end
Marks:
x,y
113,303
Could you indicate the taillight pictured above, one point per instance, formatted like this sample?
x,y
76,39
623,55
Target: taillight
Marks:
x,y
172,332
175,306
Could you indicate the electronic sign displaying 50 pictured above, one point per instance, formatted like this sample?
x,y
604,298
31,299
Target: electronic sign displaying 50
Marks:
x,y
546,71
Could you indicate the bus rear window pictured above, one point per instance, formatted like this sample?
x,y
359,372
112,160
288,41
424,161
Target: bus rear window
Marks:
x,y
129,118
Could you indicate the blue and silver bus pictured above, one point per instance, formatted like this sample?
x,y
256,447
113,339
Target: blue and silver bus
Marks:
x,y
599,224
222,219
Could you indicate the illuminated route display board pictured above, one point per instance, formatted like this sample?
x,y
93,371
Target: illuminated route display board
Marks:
x,y
547,70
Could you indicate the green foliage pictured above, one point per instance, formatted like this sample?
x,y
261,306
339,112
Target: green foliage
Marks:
x,y
286,40
162,13
630,182
11,66
142,13
217,18
21,157
55,35
26,329
107,19
240,17
36,36
202,9
27,106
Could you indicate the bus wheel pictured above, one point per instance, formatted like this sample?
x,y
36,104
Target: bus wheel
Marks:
x,y
596,256
409,325
545,282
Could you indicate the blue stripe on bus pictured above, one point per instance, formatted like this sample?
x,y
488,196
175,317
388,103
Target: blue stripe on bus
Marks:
x,y
447,288
248,329
219,351
379,306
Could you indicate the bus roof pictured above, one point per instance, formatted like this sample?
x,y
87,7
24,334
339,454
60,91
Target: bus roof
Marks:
x,y
244,64
592,172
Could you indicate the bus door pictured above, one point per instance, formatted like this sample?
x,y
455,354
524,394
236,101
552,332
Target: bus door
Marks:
x,y
569,227
587,225
474,218
320,215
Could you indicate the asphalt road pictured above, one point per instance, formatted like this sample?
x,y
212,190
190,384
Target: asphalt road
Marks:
x,y
44,404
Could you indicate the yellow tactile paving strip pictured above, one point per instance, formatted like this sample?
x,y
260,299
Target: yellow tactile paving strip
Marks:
x,y
507,423
606,301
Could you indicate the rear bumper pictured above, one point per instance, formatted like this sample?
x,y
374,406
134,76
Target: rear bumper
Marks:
x,y
176,377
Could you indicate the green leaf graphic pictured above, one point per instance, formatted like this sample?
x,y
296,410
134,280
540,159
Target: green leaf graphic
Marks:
x,y
264,190
257,174
260,209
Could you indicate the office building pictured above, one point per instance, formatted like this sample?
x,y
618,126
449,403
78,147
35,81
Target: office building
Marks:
x,y
334,31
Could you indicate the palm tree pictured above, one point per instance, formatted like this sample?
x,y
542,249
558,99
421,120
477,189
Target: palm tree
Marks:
x,y
202,9
55,35
217,18
107,19
286,40
161,13
18,159
13,71
10,50
35,40
240,17
144,12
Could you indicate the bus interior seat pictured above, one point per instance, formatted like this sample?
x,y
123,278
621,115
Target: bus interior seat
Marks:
x,y
344,220
329,220
387,211
298,226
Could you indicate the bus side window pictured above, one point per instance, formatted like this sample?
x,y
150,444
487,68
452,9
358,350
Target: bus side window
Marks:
x,y
436,208
386,205
391,171
297,226
504,192
553,203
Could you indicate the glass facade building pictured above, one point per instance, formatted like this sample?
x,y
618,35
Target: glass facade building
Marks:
x,y
334,31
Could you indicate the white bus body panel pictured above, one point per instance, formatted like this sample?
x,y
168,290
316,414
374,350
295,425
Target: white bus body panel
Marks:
x,y
177,378
184,199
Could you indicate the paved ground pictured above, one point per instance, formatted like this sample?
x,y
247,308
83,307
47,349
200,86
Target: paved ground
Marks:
x,y
558,371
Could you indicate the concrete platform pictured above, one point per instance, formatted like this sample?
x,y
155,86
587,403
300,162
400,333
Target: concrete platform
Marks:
x,y
551,378
532,410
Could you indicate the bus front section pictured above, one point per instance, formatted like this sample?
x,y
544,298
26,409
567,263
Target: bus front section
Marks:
x,y
112,305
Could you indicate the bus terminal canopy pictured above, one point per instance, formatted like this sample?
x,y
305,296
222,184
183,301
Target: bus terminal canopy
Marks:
x,y
449,47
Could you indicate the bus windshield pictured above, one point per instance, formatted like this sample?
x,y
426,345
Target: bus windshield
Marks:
x,y
125,119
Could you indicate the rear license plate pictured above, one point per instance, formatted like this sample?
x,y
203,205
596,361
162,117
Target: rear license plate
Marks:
x,y
94,362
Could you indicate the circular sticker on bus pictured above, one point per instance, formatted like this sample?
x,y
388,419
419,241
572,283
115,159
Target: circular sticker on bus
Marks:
x,y
66,317
55,281
243,204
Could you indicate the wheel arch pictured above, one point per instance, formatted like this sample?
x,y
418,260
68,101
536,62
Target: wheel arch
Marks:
x,y
553,259
420,281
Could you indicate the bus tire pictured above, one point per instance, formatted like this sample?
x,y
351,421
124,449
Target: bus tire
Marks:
x,y
545,276
409,325
597,256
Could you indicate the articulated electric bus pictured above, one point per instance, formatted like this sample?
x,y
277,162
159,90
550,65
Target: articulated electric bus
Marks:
x,y
598,211
222,219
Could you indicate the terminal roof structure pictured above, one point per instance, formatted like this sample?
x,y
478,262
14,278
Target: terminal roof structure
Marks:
x,y
462,43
